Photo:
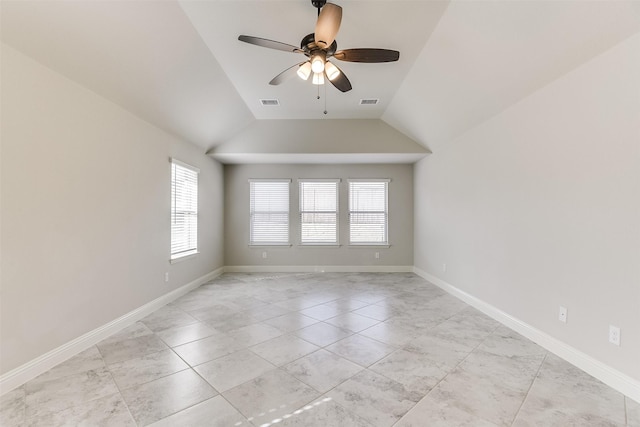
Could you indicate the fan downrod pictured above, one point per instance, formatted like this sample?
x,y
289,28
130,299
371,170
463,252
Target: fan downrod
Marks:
x,y
318,3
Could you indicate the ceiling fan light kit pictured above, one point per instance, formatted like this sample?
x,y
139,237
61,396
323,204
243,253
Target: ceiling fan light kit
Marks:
x,y
318,78
321,46
304,71
331,71
317,62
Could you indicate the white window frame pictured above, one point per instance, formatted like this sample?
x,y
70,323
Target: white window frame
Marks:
x,y
189,214
302,212
252,213
385,243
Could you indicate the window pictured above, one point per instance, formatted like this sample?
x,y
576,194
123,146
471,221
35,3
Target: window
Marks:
x,y
184,209
269,212
368,212
318,211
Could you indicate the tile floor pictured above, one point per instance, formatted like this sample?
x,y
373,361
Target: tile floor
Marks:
x,y
316,350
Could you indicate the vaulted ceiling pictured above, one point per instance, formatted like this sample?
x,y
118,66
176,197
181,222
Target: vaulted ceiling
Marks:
x,y
180,66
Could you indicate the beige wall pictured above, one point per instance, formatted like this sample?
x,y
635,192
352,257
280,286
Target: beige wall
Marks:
x,y
540,207
238,252
85,193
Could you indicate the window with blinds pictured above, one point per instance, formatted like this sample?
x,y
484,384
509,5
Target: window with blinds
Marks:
x,y
184,209
368,212
318,212
269,212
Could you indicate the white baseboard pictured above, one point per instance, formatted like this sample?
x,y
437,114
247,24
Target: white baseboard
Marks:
x,y
39,365
319,269
608,375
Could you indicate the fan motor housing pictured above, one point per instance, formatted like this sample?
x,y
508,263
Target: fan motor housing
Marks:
x,y
308,44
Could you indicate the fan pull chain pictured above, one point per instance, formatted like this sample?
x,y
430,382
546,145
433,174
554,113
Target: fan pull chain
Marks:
x,y
325,98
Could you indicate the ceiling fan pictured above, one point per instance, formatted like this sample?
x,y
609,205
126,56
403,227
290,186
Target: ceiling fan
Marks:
x,y
319,47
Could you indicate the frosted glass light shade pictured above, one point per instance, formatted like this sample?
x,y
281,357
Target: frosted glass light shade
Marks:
x,y
318,78
304,71
317,64
331,70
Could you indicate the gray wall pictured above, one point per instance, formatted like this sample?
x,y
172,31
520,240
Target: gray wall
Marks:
x,y
238,252
539,207
85,193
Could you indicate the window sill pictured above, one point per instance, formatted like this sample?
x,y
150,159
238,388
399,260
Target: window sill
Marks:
x,y
318,245
269,245
184,257
369,245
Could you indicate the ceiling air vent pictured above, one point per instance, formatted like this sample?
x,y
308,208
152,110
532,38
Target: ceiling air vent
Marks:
x,y
270,102
372,101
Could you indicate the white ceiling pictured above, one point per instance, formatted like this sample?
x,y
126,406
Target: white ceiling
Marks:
x,y
180,66
487,55
143,55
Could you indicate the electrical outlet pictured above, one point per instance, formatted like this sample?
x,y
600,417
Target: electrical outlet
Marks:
x,y
166,277
562,314
264,254
377,255
614,335
444,268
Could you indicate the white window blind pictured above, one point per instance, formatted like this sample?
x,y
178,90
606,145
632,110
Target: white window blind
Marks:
x,y
184,209
368,212
269,212
318,212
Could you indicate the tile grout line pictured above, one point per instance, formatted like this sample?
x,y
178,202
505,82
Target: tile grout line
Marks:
x,y
118,387
189,367
449,372
108,371
338,385
372,363
155,379
452,369
210,385
535,377
220,393
204,379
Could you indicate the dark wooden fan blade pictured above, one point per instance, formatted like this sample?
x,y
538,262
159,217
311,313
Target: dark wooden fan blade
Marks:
x,y
271,44
367,55
285,75
341,82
